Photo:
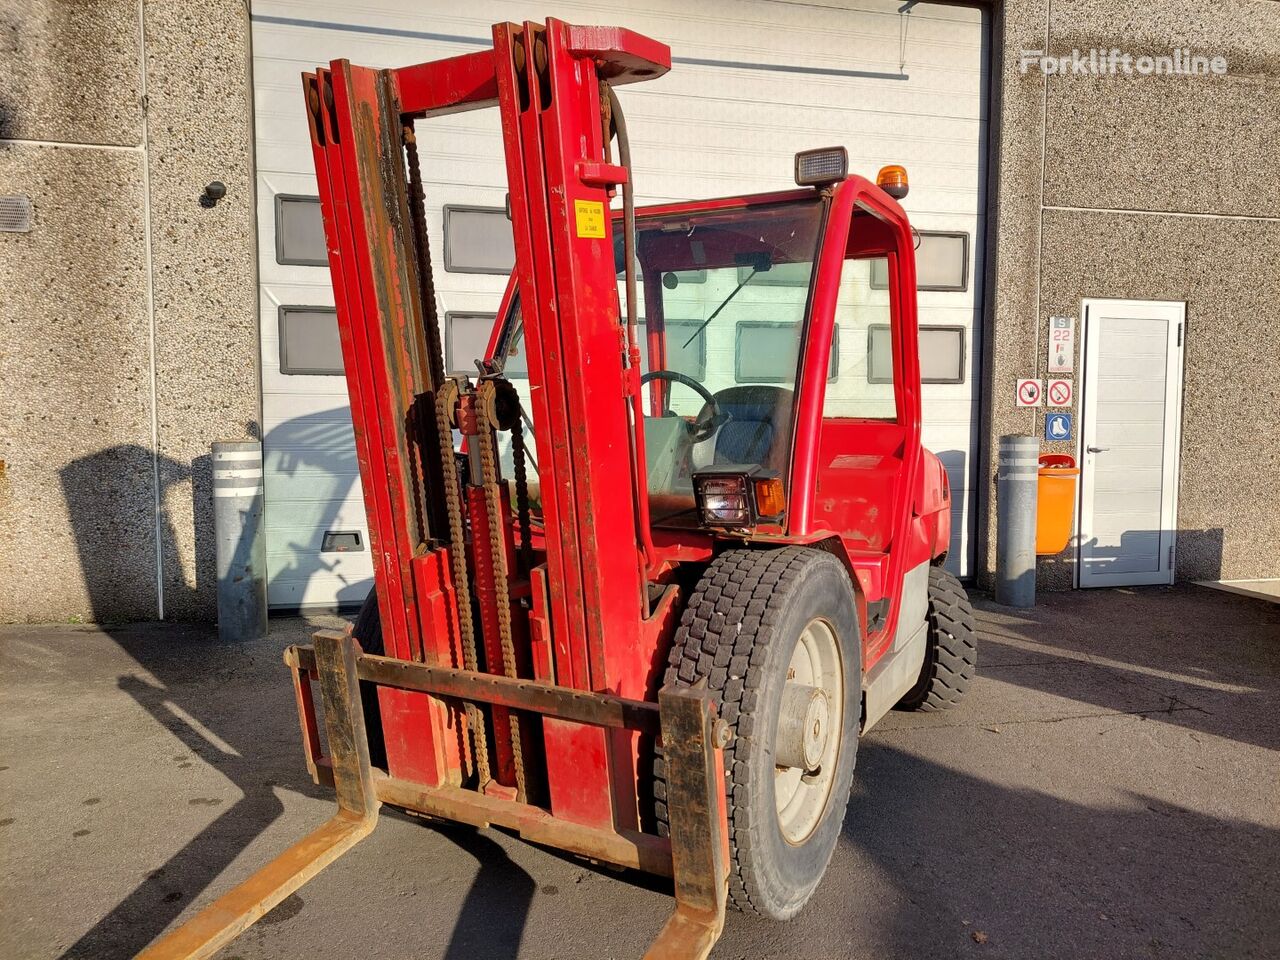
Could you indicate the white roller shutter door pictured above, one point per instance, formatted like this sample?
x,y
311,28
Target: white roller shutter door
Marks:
x,y
753,82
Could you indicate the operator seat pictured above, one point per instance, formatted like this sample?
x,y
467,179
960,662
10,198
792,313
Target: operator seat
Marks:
x,y
758,413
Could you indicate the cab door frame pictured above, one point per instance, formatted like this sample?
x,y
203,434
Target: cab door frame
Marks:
x,y
858,195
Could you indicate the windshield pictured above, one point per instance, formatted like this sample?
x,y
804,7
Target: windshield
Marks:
x,y
723,306
722,301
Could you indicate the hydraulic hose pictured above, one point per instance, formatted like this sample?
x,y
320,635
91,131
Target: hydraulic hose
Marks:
x,y
641,487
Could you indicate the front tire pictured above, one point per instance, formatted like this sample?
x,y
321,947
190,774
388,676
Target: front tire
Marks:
x,y
766,628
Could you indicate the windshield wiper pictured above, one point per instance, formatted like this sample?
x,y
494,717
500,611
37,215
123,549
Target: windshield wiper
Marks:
x,y
754,271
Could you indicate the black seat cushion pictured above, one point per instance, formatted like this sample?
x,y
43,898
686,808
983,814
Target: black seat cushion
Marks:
x,y
758,414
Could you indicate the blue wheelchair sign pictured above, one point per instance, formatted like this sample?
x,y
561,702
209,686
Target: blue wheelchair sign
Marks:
x,y
1057,426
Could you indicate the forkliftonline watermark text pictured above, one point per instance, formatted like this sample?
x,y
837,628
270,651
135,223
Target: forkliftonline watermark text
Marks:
x,y
1115,62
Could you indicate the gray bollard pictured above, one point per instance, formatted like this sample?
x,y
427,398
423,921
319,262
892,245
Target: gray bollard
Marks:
x,y
1016,484
241,554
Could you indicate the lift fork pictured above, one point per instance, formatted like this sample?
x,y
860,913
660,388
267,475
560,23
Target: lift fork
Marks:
x,y
693,740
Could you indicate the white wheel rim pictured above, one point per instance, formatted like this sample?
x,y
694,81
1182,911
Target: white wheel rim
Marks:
x,y
802,796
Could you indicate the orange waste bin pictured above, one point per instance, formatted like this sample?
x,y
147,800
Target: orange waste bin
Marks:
x,y
1055,503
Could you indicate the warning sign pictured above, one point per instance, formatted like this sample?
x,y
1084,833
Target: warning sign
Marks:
x,y
1059,393
588,217
1030,393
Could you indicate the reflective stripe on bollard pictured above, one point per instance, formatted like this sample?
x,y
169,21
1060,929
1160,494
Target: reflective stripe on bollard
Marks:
x,y
240,552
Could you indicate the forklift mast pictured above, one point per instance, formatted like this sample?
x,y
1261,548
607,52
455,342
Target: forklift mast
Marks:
x,y
549,83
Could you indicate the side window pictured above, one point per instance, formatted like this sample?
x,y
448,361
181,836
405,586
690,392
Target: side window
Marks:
x,y
478,240
942,354
942,262
861,383
765,352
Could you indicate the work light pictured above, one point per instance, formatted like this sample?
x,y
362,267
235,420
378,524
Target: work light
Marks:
x,y
817,168
738,496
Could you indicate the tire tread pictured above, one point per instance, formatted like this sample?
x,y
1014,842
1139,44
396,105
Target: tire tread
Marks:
x,y
730,611
952,657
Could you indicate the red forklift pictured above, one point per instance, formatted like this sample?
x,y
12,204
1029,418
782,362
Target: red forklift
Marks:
x,y
686,546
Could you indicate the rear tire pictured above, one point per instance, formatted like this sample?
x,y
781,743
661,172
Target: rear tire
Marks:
x,y
759,621
951,653
368,630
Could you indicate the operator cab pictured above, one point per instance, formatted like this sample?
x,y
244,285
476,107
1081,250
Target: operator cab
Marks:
x,y
726,328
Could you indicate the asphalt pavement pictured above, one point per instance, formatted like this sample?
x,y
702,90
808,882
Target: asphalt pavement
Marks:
x,y
1110,789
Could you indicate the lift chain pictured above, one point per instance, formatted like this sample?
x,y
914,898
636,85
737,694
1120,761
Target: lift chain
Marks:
x,y
426,280
446,400
492,406
522,496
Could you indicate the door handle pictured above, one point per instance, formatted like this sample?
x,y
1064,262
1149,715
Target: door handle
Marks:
x,y
1097,449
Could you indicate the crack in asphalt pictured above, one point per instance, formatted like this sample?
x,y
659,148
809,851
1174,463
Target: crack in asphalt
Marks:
x,y
1150,711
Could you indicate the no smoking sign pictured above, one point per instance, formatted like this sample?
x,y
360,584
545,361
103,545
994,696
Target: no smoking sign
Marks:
x,y
1059,393
1030,393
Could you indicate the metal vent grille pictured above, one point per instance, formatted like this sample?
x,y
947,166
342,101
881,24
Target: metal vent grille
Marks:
x,y
15,214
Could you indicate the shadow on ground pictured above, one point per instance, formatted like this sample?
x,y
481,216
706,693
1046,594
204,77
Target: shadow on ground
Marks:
x,y
180,662
1032,874
228,733
1208,660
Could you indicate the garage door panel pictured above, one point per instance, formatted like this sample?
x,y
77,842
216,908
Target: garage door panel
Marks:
x,y
753,82
308,535
336,513
942,188
865,36
302,445
286,384
343,582
316,407
710,113
941,434
902,97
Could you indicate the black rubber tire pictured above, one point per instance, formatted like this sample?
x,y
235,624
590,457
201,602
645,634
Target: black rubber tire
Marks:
x,y
368,630
951,652
738,631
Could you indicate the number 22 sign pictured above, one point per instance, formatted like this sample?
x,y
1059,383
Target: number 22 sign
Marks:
x,y
1062,344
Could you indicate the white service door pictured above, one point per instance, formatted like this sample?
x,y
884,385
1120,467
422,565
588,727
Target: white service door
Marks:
x,y
1132,406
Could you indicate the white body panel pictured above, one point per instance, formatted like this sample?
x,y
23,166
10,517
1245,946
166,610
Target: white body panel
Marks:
x,y
897,671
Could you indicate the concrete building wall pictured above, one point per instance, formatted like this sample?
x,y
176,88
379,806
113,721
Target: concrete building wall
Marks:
x,y
129,312
1150,188
204,264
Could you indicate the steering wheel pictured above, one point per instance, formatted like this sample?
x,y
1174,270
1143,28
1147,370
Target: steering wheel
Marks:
x,y
703,427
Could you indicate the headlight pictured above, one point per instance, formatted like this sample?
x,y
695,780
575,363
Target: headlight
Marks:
x,y
737,496
724,501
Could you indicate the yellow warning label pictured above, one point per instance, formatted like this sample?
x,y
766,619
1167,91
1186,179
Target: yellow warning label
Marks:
x,y
589,217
